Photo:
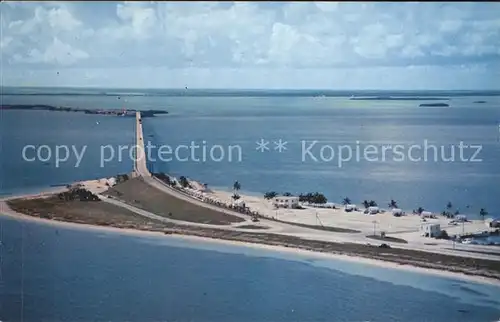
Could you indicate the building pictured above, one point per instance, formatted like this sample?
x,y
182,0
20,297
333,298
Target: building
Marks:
x,y
494,223
238,203
286,202
373,210
349,208
426,214
430,229
397,212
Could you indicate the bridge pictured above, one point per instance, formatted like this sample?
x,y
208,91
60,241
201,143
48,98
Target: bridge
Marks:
x,y
140,162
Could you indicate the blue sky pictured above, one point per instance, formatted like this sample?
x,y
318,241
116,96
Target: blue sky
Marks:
x,y
252,45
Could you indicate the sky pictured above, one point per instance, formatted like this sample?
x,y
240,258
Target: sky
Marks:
x,y
271,45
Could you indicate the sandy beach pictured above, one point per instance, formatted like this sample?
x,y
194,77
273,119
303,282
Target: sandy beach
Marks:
x,y
299,252
404,227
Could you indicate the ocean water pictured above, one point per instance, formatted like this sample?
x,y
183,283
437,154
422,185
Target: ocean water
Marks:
x,y
49,274
231,120
58,274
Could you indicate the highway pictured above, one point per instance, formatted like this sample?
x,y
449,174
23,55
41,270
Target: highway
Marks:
x,y
291,230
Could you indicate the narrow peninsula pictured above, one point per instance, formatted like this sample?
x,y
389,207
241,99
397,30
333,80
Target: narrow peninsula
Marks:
x,y
111,112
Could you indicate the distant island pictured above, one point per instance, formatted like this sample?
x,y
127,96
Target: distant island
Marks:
x,y
113,112
479,102
434,105
393,98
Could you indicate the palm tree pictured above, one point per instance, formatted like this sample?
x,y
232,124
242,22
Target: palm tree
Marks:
x,y
366,204
183,181
483,213
393,204
449,206
420,210
346,201
270,195
236,186
287,194
372,203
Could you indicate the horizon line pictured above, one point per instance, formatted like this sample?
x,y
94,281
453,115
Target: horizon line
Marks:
x,y
248,88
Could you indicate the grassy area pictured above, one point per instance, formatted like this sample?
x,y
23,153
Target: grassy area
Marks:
x,y
388,239
89,212
141,195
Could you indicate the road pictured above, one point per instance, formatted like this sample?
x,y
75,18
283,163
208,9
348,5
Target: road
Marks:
x,y
285,229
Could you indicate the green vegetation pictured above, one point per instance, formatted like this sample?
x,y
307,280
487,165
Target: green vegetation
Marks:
x,y
183,181
270,195
346,201
121,178
443,235
419,210
368,204
165,178
139,194
483,213
449,213
236,188
78,194
393,204
313,198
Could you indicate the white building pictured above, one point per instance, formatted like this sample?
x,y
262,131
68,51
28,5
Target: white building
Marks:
x,y
238,203
373,210
397,212
430,229
286,202
426,214
349,208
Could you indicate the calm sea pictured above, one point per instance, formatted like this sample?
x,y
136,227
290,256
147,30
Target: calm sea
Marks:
x,y
51,274
228,123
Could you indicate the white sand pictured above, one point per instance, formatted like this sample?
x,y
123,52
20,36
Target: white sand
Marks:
x,y
407,226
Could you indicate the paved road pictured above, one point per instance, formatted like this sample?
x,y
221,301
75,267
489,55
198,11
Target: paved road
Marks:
x,y
285,229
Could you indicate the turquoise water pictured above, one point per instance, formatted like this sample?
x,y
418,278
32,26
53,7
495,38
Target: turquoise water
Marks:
x,y
54,274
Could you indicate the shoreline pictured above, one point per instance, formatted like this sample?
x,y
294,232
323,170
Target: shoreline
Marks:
x,y
257,245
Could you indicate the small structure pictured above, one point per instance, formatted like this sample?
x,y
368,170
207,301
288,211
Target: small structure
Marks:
x,y
373,210
238,203
286,202
460,218
397,212
426,214
349,207
495,223
327,205
430,229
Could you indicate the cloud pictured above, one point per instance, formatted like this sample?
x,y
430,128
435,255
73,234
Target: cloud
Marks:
x,y
57,53
246,35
